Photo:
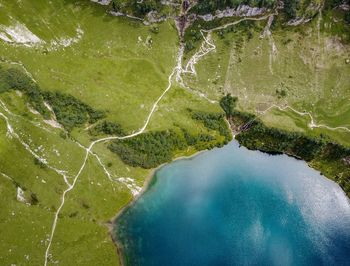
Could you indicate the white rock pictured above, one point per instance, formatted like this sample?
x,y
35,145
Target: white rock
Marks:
x,y
20,34
20,195
102,2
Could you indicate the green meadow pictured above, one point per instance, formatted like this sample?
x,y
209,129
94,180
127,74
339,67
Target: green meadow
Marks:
x,y
308,63
121,66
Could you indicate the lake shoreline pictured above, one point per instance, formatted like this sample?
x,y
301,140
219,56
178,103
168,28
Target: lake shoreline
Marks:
x,y
111,223
148,182
118,239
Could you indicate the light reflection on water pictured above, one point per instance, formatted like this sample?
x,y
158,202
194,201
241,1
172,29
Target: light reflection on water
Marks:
x,y
231,206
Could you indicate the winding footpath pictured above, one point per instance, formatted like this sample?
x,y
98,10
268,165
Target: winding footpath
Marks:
x,y
70,186
89,151
312,123
206,47
11,133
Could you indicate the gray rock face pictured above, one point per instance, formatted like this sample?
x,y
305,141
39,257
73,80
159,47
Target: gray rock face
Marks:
x,y
169,3
119,14
298,21
240,11
102,2
344,7
309,12
153,17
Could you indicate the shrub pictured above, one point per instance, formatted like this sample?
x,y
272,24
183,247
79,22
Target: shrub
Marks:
x,y
228,104
71,112
108,128
148,150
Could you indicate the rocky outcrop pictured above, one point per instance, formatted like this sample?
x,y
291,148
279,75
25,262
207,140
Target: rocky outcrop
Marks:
x,y
170,3
306,15
102,2
240,11
183,22
153,17
298,21
120,14
344,6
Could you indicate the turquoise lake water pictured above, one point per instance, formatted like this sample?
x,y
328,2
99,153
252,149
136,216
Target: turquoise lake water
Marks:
x,y
232,206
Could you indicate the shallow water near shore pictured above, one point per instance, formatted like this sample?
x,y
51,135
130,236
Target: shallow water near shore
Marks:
x,y
232,206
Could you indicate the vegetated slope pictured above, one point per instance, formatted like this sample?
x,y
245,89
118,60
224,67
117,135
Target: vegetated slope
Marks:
x,y
305,67
152,149
82,74
62,63
332,159
37,163
210,7
104,61
69,111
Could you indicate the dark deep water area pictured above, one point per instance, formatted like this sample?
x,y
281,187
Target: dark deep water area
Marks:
x,y
232,206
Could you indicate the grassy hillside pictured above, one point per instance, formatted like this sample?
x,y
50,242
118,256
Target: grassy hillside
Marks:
x,y
112,62
115,65
304,67
80,60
